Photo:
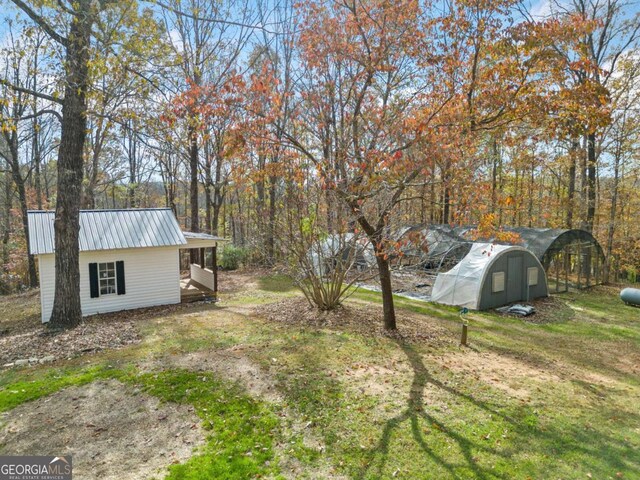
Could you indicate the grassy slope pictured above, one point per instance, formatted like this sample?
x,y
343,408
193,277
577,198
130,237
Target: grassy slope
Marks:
x,y
410,413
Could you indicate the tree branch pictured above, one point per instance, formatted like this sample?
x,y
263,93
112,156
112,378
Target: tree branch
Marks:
x,y
43,112
213,20
41,22
28,91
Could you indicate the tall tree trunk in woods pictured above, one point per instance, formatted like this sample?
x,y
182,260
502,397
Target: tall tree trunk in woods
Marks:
x,y
132,158
432,197
583,185
500,187
207,204
494,175
35,140
6,224
446,198
516,198
218,197
36,157
208,180
260,197
532,180
612,211
271,231
193,188
37,161
67,311
591,181
18,181
573,153
193,174
89,194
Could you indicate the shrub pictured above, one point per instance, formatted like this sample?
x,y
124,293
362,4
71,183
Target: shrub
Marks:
x,y
325,267
632,274
232,257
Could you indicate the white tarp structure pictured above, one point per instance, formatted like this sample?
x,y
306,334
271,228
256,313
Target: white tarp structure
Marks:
x,y
325,254
463,284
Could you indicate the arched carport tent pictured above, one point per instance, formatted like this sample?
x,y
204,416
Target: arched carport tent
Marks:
x,y
491,276
433,247
571,257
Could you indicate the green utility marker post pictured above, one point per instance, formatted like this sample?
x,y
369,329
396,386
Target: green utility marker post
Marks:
x,y
465,325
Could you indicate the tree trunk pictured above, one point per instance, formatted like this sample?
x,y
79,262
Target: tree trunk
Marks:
x,y
67,311
193,172
532,179
591,181
89,196
208,180
573,152
446,201
22,198
271,230
583,185
6,226
612,212
19,182
494,175
387,292
37,160
193,187
218,196
132,154
375,237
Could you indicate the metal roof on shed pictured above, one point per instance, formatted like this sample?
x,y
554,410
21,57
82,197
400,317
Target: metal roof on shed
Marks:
x,y
110,229
202,236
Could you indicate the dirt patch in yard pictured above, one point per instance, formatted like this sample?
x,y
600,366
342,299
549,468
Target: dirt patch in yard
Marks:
x,y
514,377
110,430
378,380
363,320
230,364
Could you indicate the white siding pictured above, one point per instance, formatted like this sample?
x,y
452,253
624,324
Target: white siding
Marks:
x,y
203,276
151,274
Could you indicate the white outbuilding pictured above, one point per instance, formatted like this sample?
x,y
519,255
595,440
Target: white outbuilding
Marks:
x,y
491,276
128,259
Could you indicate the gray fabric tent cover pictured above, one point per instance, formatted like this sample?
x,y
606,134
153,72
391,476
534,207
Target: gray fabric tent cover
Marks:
x,y
443,240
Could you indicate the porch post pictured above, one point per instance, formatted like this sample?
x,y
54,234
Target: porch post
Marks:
x,y
202,258
214,267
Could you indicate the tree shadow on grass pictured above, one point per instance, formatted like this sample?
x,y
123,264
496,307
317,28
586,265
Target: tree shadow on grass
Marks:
x,y
606,453
415,412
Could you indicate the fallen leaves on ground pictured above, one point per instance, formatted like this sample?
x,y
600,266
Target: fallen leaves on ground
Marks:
x,y
92,335
367,321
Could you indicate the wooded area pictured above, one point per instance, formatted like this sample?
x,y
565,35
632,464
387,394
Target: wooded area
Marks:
x,y
251,119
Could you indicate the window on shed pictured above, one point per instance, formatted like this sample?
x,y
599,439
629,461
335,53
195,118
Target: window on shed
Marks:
x,y
532,276
107,278
497,282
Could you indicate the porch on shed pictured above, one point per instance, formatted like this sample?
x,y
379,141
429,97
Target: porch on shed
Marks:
x,y
199,267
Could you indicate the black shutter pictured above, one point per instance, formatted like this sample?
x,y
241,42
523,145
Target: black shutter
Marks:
x,y
93,280
120,277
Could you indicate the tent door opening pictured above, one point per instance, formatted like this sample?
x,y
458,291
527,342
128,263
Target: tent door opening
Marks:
x,y
514,278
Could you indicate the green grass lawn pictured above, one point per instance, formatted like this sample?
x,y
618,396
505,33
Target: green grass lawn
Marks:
x,y
559,399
